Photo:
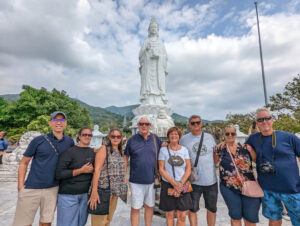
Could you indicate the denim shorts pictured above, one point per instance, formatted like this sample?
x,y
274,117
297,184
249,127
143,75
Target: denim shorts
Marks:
x,y
272,207
210,194
240,206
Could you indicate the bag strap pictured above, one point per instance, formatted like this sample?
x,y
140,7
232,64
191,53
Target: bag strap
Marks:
x,y
172,162
47,138
236,169
107,168
155,146
199,149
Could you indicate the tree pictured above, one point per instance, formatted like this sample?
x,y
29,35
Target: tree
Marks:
x,y
243,120
289,100
284,106
32,110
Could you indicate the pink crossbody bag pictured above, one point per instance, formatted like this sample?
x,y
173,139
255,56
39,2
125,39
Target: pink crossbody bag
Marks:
x,y
249,188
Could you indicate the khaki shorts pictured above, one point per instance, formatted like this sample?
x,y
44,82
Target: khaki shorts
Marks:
x,y
29,200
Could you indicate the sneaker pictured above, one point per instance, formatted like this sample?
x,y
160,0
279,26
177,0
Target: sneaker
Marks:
x,y
286,217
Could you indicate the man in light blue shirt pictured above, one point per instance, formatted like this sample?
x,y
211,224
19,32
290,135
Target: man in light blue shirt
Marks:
x,y
207,178
3,145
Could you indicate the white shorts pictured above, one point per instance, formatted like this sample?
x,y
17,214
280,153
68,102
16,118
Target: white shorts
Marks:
x,y
140,194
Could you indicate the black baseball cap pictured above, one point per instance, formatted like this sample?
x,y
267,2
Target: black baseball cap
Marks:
x,y
53,115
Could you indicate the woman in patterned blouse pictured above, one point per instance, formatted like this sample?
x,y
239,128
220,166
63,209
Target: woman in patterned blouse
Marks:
x,y
112,175
239,206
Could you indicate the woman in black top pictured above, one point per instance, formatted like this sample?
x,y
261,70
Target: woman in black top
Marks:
x,y
74,172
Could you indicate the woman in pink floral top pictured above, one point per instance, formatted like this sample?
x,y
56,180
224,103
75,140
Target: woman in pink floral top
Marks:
x,y
239,206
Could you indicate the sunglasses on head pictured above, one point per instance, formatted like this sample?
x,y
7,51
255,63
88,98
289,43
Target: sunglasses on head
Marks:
x,y
58,120
115,136
268,118
144,123
86,135
232,134
194,123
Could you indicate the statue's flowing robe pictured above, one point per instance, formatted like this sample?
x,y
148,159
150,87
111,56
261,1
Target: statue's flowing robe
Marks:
x,y
153,71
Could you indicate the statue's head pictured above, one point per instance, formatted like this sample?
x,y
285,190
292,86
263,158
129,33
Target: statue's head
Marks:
x,y
153,28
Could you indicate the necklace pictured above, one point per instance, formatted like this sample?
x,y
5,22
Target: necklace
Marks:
x,y
173,148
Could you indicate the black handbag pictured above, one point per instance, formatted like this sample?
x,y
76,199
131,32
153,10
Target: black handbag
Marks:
x,y
104,195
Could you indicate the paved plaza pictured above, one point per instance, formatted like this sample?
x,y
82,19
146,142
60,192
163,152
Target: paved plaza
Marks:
x,y
8,200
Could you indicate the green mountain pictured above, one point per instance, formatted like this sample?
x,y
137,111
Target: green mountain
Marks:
x,y
111,114
127,111
10,97
101,116
124,111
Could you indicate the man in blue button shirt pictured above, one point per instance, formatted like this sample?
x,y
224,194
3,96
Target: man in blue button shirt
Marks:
x,y
3,145
140,149
278,172
40,189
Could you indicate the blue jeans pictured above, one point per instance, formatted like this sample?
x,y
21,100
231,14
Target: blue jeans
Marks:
x,y
240,206
72,209
272,207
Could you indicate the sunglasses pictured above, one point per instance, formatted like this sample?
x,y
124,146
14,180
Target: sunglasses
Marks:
x,y
115,136
86,135
144,124
232,134
58,120
194,123
268,118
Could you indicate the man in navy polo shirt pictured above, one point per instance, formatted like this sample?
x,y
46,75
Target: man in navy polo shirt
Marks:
x,y
140,149
278,172
40,189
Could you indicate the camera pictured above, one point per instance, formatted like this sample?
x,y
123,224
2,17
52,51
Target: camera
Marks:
x,y
267,168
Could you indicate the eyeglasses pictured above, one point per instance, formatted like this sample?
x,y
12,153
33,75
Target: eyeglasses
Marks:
x,y
115,136
232,134
144,124
194,123
58,120
268,118
86,135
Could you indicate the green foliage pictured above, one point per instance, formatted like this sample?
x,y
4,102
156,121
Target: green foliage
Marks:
x,y
31,111
289,100
244,121
40,124
284,106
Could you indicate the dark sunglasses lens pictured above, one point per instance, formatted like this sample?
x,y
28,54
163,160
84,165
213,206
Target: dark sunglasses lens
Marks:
x,y
232,134
144,124
114,137
86,135
194,123
265,118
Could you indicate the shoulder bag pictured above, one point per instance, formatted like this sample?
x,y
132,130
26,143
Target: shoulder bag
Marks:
x,y
104,195
47,138
187,186
249,188
194,174
157,177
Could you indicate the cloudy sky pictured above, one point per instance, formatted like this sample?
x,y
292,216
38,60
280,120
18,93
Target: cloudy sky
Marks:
x,y
89,48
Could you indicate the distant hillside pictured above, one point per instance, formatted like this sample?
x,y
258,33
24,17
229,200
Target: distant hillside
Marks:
x,y
104,116
100,115
124,111
10,97
127,110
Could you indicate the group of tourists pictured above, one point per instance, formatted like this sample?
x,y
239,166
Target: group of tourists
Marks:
x,y
81,180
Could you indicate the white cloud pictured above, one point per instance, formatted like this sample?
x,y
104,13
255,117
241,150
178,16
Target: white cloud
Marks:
x,y
90,49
